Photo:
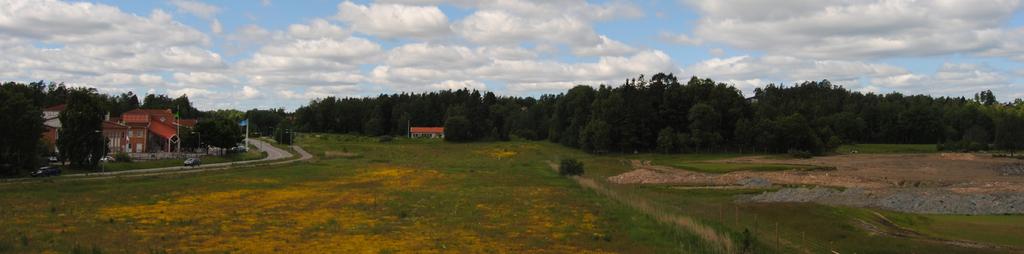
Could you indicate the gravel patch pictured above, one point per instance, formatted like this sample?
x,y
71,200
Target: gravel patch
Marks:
x,y
912,200
1016,169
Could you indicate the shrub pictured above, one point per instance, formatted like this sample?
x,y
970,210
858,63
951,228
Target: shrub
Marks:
x,y
570,167
385,139
801,154
122,157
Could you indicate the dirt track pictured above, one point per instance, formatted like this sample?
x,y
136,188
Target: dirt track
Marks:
x,y
924,183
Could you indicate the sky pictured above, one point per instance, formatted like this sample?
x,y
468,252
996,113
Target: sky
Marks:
x,y
271,53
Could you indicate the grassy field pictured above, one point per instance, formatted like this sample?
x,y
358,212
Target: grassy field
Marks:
x,y
404,196
363,196
887,148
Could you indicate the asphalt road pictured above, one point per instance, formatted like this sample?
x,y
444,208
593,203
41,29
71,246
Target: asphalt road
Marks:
x,y
273,154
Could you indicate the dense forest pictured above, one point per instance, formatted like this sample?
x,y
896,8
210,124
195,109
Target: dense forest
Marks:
x,y
661,114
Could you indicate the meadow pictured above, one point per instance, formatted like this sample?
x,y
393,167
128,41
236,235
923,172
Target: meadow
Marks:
x,y
360,195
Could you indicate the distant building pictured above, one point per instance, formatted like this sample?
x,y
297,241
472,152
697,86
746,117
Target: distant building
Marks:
x,y
152,130
51,122
426,132
136,131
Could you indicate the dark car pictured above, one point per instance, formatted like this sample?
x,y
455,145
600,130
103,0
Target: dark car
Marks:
x,y
192,162
46,171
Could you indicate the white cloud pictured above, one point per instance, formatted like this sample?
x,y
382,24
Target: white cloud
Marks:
x,y
607,47
215,26
92,24
203,78
394,20
789,69
680,39
249,92
349,51
841,29
197,8
502,28
950,79
317,29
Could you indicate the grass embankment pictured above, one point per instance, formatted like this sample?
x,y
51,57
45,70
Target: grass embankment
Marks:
x,y
998,229
402,196
887,148
252,154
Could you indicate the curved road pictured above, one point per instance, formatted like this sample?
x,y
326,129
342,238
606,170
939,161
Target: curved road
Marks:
x,y
273,154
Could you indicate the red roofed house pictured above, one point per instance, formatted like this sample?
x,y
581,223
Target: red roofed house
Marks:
x,y
426,132
152,130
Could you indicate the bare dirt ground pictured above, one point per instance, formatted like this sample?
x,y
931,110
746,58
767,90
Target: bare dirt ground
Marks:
x,y
925,183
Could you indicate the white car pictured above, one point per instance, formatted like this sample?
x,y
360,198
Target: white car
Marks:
x,y
107,159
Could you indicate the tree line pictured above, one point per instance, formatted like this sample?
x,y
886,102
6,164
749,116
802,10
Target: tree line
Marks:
x,y
662,114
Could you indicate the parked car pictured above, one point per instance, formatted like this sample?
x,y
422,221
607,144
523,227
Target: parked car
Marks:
x,y
192,162
107,158
52,159
46,171
239,149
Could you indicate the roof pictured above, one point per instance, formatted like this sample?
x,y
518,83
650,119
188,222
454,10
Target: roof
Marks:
x,y
140,111
187,122
426,130
135,118
162,129
113,125
58,107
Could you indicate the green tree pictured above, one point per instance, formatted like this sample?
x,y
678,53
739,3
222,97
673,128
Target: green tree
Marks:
x,y
704,126
1010,133
80,139
595,137
795,133
20,126
667,139
283,133
458,129
220,132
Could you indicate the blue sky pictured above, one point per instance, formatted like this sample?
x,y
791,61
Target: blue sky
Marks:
x,y
244,54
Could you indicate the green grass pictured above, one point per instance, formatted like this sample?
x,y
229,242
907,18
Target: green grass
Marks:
x,y
999,229
887,148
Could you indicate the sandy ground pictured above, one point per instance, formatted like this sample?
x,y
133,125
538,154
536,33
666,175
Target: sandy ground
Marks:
x,y
962,173
922,183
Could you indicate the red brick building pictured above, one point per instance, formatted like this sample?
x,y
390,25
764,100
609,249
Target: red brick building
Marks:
x,y
135,131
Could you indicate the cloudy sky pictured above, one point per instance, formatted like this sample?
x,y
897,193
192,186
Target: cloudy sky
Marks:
x,y
272,53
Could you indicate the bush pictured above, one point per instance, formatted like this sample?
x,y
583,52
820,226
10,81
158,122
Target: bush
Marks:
x,y
570,167
122,157
385,139
801,154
